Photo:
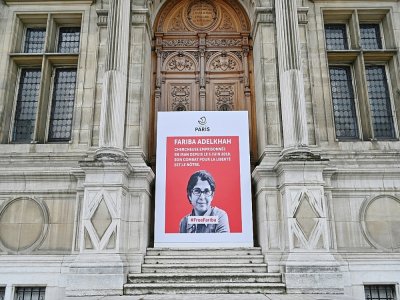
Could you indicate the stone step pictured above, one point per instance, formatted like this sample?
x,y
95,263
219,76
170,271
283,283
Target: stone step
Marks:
x,y
203,251
211,259
204,271
206,277
202,268
203,288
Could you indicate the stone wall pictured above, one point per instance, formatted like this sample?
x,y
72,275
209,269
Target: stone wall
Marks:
x,y
326,209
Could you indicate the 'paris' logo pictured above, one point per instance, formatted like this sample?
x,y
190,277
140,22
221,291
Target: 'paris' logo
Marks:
x,y
202,121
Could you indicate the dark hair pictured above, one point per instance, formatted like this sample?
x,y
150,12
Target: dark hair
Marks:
x,y
200,175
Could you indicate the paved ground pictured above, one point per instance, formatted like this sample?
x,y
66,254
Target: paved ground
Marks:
x,y
219,297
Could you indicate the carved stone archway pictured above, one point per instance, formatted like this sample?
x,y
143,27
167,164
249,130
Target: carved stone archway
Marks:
x,y
203,59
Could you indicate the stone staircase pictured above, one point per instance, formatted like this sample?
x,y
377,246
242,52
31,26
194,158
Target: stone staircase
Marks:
x,y
204,271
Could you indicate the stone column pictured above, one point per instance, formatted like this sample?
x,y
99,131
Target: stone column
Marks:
x,y
112,119
292,210
294,122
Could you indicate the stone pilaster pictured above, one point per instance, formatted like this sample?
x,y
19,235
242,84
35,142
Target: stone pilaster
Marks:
x,y
294,122
308,262
114,97
114,228
114,216
293,224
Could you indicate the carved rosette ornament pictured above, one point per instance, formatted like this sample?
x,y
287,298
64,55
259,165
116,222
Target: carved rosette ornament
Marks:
x,y
180,97
224,96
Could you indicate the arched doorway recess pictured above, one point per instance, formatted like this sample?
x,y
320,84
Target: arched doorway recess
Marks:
x,y
203,59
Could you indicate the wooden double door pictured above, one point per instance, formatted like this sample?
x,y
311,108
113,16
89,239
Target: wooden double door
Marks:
x,y
203,57
217,82
202,52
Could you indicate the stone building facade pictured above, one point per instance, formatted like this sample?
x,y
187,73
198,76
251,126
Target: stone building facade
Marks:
x,y
81,82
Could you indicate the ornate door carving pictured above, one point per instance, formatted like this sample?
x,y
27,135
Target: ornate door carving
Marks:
x,y
202,49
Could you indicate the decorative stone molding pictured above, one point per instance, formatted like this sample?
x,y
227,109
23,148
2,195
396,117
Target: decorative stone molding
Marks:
x,y
100,220
110,155
301,156
301,184
307,219
379,220
265,15
24,232
141,16
262,15
309,265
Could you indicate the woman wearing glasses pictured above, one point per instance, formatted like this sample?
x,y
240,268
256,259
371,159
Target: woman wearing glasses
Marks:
x,y
204,218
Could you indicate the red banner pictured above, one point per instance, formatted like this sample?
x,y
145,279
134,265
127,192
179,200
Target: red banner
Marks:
x,y
218,156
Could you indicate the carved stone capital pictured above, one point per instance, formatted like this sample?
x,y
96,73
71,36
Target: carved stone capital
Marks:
x,y
302,13
300,154
110,154
262,15
102,17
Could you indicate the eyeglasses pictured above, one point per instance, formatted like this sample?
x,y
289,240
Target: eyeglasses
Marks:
x,y
197,192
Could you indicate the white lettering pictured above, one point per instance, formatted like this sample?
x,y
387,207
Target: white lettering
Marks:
x,y
203,220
